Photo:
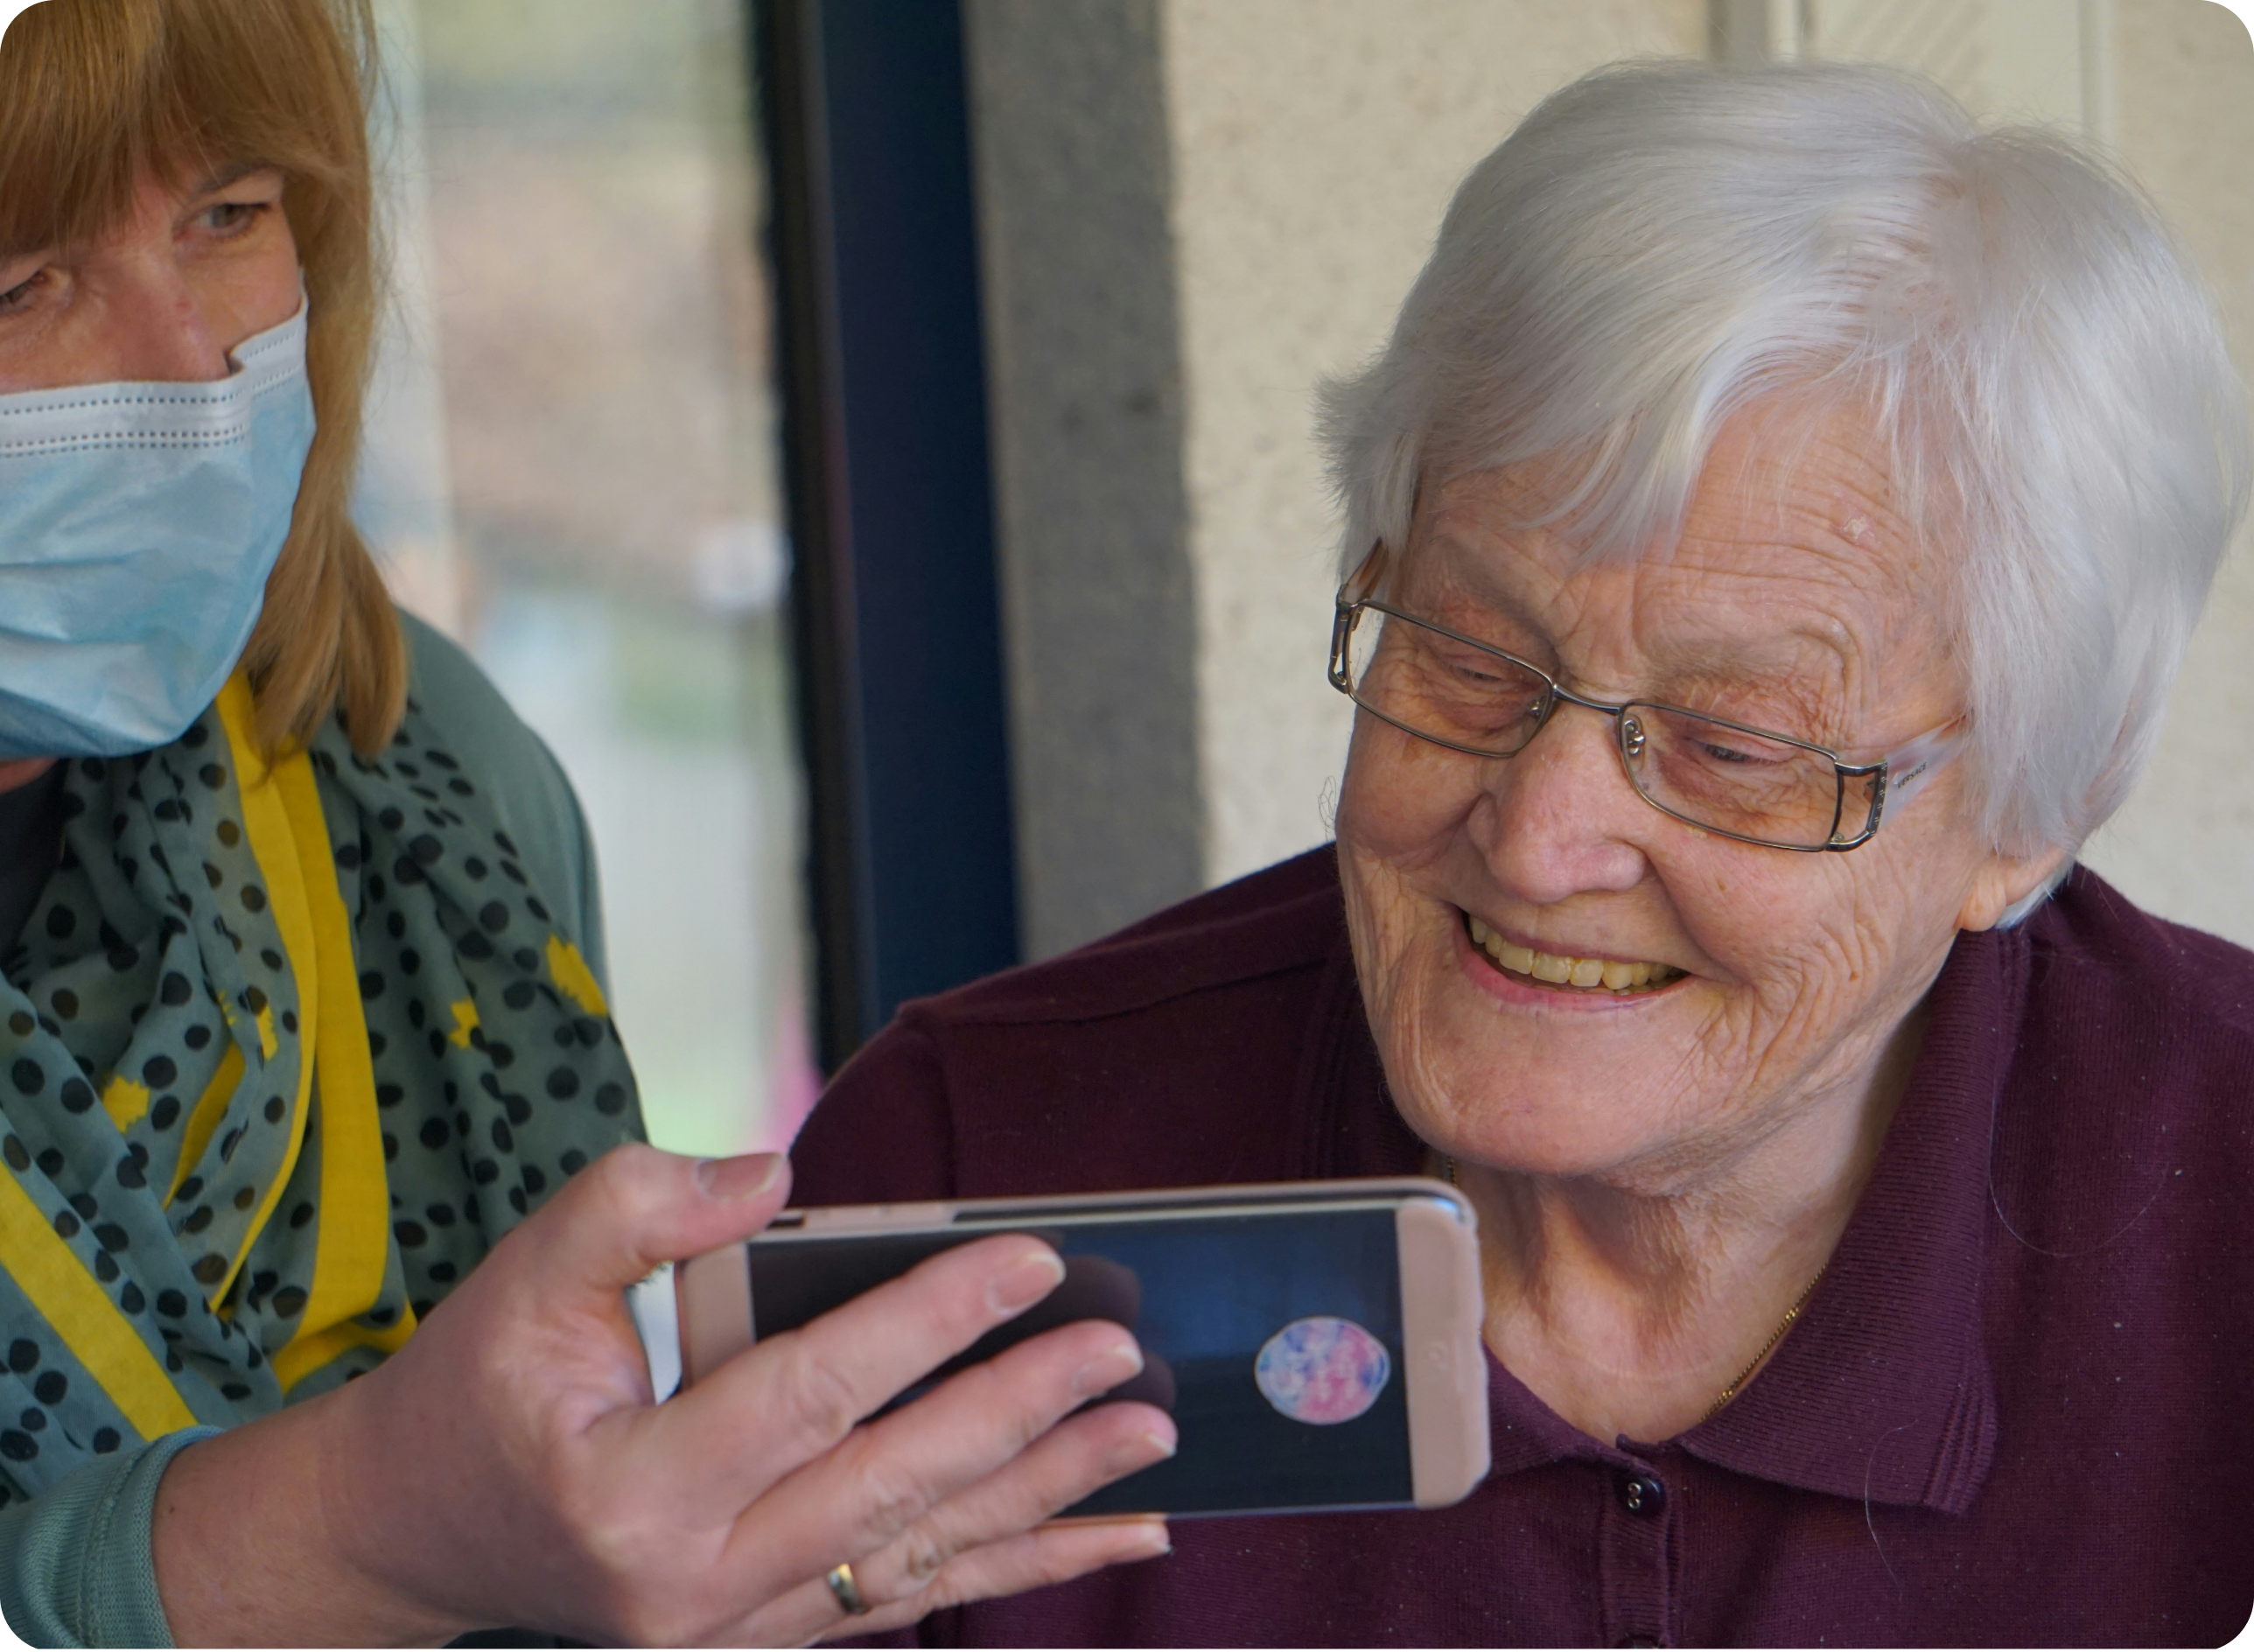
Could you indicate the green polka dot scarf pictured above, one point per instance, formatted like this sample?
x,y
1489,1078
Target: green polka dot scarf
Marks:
x,y
281,1055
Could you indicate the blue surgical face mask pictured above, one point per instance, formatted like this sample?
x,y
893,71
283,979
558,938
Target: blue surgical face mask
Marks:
x,y
137,525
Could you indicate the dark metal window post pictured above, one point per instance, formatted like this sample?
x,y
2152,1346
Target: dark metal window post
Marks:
x,y
896,612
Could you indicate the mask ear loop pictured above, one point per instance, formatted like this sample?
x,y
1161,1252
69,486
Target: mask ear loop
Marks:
x,y
1909,767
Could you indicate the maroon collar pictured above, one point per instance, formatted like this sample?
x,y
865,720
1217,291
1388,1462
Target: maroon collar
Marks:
x,y
1882,1392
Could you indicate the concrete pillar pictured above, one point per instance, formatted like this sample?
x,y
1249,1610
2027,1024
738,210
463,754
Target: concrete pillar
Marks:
x,y
1085,395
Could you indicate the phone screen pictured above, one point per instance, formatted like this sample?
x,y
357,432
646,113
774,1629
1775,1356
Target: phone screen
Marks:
x,y
1274,1338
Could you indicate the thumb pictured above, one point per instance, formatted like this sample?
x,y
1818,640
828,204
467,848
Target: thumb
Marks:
x,y
637,1206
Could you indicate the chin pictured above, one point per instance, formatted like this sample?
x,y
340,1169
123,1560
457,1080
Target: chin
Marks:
x,y
1547,1088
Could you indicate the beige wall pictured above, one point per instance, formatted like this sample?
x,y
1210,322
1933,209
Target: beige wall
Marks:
x,y
2184,113
1315,143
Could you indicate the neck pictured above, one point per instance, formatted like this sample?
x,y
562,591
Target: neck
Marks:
x,y
23,771
1629,1302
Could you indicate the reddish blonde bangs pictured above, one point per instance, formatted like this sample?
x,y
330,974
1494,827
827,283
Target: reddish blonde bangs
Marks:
x,y
95,92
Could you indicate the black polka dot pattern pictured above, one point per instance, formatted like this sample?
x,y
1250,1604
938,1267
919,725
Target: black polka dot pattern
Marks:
x,y
151,1060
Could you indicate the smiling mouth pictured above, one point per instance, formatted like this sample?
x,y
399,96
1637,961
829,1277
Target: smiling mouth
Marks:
x,y
1621,977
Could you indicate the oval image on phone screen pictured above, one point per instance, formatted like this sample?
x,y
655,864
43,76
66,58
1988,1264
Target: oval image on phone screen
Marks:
x,y
1322,1370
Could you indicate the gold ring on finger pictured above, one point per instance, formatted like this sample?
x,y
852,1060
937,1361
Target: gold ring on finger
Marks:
x,y
840,1580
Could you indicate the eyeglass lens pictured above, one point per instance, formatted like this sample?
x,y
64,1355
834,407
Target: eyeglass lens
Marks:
x,y
1694,767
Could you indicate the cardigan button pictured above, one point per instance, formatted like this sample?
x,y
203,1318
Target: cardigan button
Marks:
x,y
1643,1494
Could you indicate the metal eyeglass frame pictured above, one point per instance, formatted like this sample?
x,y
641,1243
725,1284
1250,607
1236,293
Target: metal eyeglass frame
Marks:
x,y
1901,775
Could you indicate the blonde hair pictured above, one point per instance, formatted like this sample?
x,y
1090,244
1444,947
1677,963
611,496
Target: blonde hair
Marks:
x,y
95,92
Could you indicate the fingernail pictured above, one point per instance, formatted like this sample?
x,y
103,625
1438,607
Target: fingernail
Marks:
x,y
745,1177
1107,1370
1158,1542
1139,1453
1025,1281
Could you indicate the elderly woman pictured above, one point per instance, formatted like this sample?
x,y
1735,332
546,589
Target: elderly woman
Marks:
x,y
1770,536
309,1074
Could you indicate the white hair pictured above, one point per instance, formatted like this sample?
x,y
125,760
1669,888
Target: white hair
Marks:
x,y
1662,244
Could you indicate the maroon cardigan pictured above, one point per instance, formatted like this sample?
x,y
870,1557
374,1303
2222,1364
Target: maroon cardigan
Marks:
x,y
2020,1407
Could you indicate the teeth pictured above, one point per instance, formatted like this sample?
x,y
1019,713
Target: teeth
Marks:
x,y
1611,973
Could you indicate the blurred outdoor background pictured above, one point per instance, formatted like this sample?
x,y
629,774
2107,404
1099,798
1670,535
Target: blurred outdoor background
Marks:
x,y
1185,212
572,472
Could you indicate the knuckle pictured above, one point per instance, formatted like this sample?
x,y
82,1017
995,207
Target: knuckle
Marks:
x,y
1045,1490
941,1313
891,1499
997,1393
958,1281
1055,1490
922,1553
620,1178
820,1400
956,1583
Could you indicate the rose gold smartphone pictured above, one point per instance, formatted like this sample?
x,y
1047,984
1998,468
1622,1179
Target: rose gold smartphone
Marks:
x,y
1317,1343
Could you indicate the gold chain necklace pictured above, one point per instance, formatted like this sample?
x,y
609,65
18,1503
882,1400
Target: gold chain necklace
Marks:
x,y
1738,1382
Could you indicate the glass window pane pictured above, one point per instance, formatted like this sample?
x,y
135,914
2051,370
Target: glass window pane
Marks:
x,y
572,469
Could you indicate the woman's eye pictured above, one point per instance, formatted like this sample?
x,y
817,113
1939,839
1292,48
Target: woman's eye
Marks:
x,y
19,296
233,217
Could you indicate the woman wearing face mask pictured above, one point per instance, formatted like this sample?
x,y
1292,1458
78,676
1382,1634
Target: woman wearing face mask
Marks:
x,y
308,1072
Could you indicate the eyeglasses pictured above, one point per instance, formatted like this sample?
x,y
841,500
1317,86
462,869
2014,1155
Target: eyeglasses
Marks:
x,y
1746,783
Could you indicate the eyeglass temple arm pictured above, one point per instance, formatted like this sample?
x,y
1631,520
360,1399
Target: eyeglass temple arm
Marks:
x,y
1910,766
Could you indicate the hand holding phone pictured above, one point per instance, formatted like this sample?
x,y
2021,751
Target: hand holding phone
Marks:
x,y
1317,1344
508,1467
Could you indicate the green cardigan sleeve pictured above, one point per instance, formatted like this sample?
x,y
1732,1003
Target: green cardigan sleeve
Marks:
x,y
75,1563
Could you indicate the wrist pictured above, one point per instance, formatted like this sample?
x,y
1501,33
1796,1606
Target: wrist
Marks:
x,y
259,1538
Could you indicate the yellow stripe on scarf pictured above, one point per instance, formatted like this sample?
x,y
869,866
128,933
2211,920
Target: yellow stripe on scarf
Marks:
x,y
289,836
267,823
101,1337
356,1200
203,1122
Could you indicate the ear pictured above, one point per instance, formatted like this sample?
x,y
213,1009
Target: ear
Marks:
x,y
1367,574
2002,881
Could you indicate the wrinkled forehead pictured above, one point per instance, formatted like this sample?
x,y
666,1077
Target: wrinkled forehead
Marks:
x,y
1792,560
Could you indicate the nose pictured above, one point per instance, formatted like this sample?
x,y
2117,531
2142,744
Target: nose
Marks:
x,y
153,326
1561,818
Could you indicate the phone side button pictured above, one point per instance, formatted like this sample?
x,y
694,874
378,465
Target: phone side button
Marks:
x,y
865,1218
